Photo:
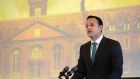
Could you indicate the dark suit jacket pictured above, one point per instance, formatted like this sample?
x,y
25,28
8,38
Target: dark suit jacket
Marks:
x,y
106,65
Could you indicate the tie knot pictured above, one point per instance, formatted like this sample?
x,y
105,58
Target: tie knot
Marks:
x,y
94,43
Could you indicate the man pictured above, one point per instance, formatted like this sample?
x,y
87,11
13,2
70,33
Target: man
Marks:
x,y
100,58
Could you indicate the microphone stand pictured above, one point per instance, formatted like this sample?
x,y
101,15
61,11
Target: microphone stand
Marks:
x,y
66,77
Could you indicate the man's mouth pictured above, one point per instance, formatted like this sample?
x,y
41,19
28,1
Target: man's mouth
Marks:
x,y
89,31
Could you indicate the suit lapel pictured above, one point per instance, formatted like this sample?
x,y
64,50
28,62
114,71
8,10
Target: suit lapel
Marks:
x,y
88,53
99,50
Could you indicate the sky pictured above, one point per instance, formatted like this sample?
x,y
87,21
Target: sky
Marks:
x,y
19,9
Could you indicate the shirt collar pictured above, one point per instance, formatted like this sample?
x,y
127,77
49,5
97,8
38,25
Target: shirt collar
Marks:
x,y
98,40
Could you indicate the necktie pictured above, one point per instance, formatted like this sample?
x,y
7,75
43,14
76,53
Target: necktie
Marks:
x,y
93,51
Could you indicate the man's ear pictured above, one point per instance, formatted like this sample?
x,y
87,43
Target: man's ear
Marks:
x,y
101,27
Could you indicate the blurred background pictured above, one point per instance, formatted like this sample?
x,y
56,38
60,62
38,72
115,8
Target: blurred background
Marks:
x,y
38,38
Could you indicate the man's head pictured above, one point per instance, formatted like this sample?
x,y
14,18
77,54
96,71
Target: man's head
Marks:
x,y
94,27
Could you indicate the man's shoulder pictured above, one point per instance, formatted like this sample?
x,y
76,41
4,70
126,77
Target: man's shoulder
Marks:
x,y
112,41
86,44
105,39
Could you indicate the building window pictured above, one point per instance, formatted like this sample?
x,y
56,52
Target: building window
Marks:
x,y
36,53
37,32
126,26
112,28
16,60
139,42
138,25
0,58
58,49
127,65
127,43
38,12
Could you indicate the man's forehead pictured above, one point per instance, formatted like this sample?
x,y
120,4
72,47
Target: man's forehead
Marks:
x,y
91,20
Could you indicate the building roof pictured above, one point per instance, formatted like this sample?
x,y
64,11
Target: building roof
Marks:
x,y
73,24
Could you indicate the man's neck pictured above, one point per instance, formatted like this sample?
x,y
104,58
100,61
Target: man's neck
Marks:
x,y
95,38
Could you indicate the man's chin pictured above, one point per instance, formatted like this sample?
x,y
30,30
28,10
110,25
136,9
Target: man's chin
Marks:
x,y
89,35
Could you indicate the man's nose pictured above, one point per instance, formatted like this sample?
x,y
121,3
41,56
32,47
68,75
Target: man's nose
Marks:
x,y
89,27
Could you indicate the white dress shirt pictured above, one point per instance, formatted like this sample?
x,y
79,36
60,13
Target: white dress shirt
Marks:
x,y
98,42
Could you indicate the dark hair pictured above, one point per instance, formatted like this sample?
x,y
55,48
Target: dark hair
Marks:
x,y
100,22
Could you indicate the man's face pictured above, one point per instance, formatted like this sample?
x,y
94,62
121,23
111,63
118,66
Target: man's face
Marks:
x,y
93,28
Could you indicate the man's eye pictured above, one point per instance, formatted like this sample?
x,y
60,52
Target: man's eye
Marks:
x,y
86,25
91,24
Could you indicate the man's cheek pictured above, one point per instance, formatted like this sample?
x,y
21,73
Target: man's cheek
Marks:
x,y
94,28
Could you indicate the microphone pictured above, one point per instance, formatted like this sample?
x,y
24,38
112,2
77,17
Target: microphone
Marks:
x,y
73,70
62,73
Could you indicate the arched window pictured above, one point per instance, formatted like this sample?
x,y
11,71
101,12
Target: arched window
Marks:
x,y
57,52
16,59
